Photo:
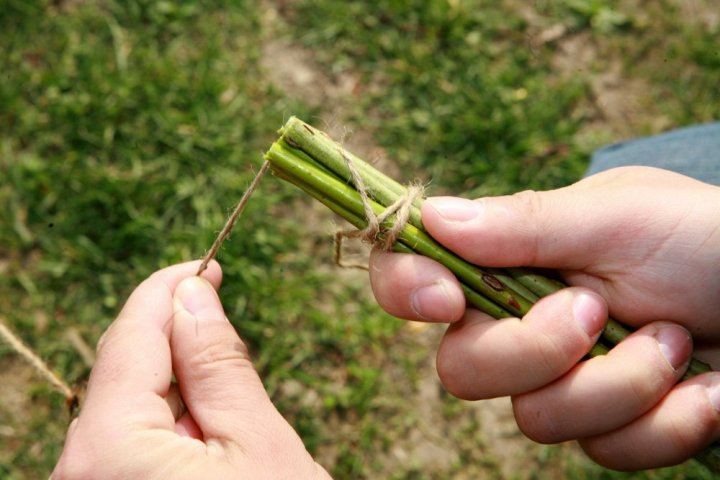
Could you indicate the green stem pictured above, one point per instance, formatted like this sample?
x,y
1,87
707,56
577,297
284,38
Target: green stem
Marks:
x,y
383,189
475,299
482,281
515,292
309,159
332,155
614,331
537,284
513,284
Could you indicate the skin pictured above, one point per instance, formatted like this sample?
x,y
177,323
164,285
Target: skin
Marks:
x,y
642,243
215,422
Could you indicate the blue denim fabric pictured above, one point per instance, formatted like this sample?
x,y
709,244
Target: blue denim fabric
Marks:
x,y
693,151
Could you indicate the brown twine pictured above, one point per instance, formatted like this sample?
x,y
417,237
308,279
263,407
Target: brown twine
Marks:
x,y
230,223
374,233
71,398
36,363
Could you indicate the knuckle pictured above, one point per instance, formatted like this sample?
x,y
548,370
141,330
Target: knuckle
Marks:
x,y
643,387
531,205
603,452
534,421
102,340
452,372
117,330
74,465
445,366
552,356
224,352
67,470
529,201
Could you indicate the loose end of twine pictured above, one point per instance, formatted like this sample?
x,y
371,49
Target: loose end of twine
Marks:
x,y
40,367
374,233
232,219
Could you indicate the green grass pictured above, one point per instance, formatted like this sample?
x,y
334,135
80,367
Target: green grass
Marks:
x,y
462,93
129,129
455,95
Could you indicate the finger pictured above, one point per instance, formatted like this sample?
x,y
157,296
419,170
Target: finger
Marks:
x,y
143,306
520,229
185,426
175,401
415,287
568,228
682,424
607,392
483,358
134,354
219,384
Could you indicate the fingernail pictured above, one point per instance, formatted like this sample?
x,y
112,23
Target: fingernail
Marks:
x,y
433,302
455,209
590,313
714,391
197,296
675,344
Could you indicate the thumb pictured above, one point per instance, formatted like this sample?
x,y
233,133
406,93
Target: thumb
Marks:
x,y
560,228
218,382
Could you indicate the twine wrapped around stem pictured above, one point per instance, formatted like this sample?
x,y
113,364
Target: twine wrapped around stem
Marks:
x,y
313,162
371,234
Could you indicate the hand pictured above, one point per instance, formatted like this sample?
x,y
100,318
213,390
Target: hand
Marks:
x,y
216,422
646,241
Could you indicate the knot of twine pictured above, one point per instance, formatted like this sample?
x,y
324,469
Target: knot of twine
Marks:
x,y
375,233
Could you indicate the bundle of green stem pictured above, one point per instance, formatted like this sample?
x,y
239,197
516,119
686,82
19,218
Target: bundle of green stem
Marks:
x,y
350,187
